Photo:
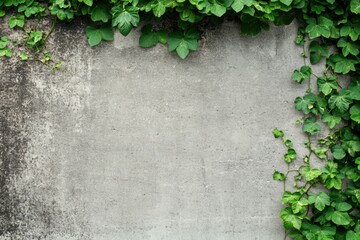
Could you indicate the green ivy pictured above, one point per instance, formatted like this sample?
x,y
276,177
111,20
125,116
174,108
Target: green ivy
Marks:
x,y
323,203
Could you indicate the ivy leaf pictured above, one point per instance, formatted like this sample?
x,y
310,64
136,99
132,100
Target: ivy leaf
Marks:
x,y
354,92
290,155
286,2
125,18
288,143
303,74
4,41
149,37
100,13
352,146
290,198
315,232
350,235
290,220
2,13
317,51
351,30
300,206
96,34
87,2
318,9
348,47
24,56
321,29
278,133
327,84
183,43
338,152
331,119
321,152
310,173
34,39
355,113
279,176
7,52
320,200
355,6
62,13
340,218
333,183
238,5
343,206
357,161
305,104
310,126
159,8
341,64
19,21
341,101
217,9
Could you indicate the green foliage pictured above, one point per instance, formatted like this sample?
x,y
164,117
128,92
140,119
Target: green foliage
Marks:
x,y
151,37
317,51
96,34
184,42
18,20
303,74
4,49
331,213
324,203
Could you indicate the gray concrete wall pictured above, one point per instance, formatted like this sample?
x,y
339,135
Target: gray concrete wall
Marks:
x,y
135,144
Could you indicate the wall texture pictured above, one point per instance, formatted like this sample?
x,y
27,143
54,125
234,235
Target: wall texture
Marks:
x,y
135,144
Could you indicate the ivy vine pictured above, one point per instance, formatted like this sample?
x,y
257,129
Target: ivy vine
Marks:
x,y
323,203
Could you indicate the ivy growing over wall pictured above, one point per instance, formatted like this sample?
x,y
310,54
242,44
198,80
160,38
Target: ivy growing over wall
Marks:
x,y
323,203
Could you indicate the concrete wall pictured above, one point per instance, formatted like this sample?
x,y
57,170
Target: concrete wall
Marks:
x,y
135,144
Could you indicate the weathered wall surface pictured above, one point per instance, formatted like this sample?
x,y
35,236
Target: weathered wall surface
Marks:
x,y
135,144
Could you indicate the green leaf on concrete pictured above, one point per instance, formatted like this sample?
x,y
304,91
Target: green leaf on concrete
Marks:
x,y
310,173
100,13
331,119
317,52
17,21
348,47
319,200
327,84
290,198
300,206
24,56
303,74
125,19
340,101
278,133
96,34
322,28
290,220
290,155
183,43
278,176
310,126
